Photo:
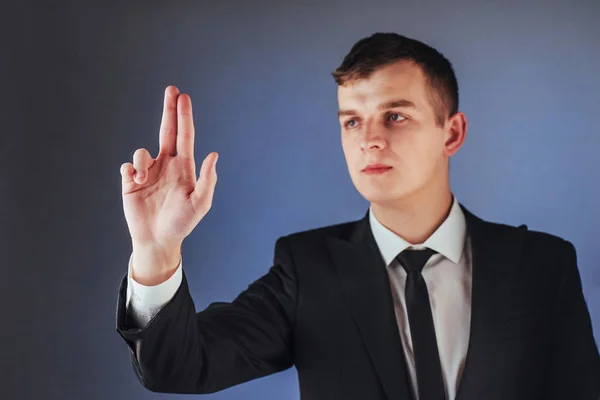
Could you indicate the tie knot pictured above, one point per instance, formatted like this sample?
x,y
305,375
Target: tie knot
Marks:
x,y
414,260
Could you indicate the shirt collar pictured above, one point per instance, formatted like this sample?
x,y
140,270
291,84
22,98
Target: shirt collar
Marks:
x,y
448,239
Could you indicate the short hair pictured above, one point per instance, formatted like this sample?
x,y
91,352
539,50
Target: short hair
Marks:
x,y
381,49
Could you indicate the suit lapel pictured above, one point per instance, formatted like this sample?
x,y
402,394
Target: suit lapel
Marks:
x,y
363,276
495,249
365,283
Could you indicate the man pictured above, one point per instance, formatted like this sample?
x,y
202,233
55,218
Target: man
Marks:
x,y
419,299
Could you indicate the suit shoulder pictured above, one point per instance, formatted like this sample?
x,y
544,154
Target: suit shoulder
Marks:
x,y
543,253
537,244
532,237
307,246
546,238
318,234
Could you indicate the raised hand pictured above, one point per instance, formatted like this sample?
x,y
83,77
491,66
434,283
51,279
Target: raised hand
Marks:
x,y
162,199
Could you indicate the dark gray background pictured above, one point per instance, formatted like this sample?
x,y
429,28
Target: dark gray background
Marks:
x,y
82,87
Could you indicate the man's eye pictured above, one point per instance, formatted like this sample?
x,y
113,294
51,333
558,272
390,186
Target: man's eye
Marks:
x,y
350,123
396,117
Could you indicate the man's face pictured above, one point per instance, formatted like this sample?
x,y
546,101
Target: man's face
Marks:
x,y
388,119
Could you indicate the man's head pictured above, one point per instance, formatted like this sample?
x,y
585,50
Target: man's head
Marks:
x,y
398,106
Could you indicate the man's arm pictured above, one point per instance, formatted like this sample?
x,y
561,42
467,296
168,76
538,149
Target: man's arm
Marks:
x,y
574,359
228,343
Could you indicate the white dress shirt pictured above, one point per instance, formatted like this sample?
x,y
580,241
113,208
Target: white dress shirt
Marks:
x,y
144,302
448,278
447,275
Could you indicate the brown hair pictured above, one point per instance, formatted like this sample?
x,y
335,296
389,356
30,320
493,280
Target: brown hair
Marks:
x,y
381,49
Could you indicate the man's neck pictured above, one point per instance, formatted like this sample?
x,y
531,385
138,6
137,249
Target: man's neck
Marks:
x,y
417,218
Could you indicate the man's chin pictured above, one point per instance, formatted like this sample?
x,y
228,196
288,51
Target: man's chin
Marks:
x,y
380,196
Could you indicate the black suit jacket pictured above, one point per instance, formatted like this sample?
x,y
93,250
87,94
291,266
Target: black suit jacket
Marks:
x,y
325,307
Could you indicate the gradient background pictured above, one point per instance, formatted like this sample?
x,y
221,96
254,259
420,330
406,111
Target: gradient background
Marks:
x,y
82,88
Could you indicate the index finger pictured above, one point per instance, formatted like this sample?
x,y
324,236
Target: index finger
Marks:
x,y
168,125
185,127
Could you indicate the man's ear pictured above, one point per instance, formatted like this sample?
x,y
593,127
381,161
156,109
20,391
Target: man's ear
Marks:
x,y
455,133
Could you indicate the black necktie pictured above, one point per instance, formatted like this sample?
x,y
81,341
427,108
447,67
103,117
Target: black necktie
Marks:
x,y
427,359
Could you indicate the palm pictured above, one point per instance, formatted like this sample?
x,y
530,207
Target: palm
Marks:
x,y
164,208
160,211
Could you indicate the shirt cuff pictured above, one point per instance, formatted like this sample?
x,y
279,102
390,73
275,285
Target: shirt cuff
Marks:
x,y
148,300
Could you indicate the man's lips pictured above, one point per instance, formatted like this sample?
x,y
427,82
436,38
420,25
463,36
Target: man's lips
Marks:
x,y
376,167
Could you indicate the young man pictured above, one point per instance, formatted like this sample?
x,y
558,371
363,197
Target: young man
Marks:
x,y
419,299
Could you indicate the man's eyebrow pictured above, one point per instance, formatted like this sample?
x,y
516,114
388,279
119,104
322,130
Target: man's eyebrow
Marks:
x,y
396,103
383,106
346,112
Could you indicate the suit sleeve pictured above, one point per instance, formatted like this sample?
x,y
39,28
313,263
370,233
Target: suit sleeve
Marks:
x,y
228,343
574,359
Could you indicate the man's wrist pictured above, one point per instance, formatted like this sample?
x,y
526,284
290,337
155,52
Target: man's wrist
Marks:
x,y
152,265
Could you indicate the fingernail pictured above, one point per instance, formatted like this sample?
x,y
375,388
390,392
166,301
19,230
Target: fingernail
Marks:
x,y
141,175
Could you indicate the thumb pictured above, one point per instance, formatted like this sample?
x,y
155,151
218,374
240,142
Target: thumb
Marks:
x,y
207,179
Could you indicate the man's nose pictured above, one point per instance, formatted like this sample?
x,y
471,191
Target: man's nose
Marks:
x,y
372,136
